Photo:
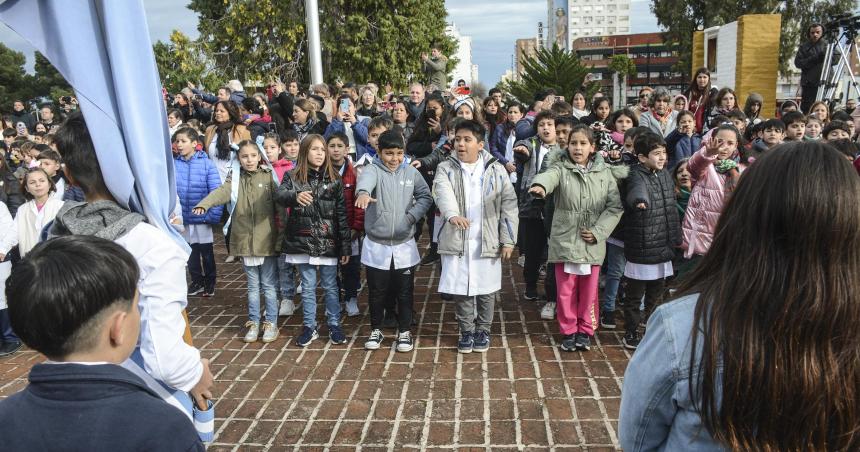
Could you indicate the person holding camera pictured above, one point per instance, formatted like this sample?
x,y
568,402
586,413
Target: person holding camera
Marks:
x,y
810,61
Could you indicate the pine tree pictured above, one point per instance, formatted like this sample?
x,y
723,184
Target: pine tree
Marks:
x,y
551,68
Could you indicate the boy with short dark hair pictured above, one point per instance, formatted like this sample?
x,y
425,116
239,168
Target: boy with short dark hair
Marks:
x,y
395,197
86,322
836,130
290,145
772,134
479,207
652,231
795,126
51,162
530,154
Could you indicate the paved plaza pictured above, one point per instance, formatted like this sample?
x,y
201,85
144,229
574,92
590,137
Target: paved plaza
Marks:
x,y
523,394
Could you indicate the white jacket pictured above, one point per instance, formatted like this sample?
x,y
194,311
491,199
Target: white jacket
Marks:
x,y
28,225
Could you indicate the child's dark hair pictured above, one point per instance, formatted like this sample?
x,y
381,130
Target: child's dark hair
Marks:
x,y
543,116
793,117
338,136
677,168
619,113
566,120
682,114
774,123
647,141
719,119
391,139
840,115
561,108
583,129
731,128
380,121
452,124
272,136
596,103
289,135
737,115
79,155
189,133
27,195
9,133
634,132
56,311
50,154
846,147
476,128
835,125
247,143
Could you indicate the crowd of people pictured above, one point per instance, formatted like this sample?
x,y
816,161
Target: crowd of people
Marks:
x,y
312,184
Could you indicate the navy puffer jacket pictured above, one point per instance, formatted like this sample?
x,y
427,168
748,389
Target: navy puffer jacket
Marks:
x,y
650,235
196,178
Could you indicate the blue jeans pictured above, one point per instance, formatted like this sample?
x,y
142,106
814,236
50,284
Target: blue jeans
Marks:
x,y
264,275
615,263
286,277
331,292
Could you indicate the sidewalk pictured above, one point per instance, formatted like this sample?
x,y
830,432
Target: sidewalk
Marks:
x,y
524,393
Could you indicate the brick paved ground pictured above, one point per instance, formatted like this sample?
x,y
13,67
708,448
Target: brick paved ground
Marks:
x,y
523,394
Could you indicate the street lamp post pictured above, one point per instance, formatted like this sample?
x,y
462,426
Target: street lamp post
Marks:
x,y
313,23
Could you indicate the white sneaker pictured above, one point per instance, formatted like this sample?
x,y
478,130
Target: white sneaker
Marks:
x,y
230,259
374,341
547,312
299,289
287,307
253,331
521,261
270,332
352,307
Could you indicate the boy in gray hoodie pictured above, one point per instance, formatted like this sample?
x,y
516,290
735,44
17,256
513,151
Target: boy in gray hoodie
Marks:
x,y
394,197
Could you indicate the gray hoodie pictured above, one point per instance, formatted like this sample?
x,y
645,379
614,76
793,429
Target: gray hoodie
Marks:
x,y
402,197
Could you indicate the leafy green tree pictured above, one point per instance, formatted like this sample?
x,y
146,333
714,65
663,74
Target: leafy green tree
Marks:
x,y
375,40
182,60
680,18
48,81
14,81
551,68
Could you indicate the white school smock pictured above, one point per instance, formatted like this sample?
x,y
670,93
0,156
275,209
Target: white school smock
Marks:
x,y
648,272
471,274
223,166
379,256
6,227
166,359
311,260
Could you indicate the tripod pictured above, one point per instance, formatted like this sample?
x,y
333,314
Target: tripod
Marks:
x,y
831,77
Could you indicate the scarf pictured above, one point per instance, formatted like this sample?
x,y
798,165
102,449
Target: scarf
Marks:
x,y
579,114
303,130
728,168
103,219
682,197
223,143
664,117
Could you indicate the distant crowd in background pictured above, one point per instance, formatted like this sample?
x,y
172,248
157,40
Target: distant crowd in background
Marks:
x,y
332,187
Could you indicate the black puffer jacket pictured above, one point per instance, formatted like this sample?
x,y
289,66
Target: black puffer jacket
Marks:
x,y
320,229
651,235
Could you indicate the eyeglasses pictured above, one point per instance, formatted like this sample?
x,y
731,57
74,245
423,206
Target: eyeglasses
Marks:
x,y
643,96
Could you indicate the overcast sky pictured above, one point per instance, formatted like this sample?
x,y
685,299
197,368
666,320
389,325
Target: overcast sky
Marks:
x,y
494,26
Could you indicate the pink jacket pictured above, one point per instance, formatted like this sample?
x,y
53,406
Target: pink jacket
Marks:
x,y
706,203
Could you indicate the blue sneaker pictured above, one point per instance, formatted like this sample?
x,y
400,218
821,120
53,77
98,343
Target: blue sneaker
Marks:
x,y
482,341
466,342
308,335
335,335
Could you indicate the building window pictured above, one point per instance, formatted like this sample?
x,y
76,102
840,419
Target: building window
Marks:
x,y
711,52
641,75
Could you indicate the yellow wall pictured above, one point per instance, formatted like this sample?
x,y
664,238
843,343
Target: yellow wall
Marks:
x,y
757,59
698,58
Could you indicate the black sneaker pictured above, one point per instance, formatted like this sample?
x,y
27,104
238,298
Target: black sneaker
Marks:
x,y
208,291
390,319
404,342
582,342
480,341
531,293
308,335
607,320
9,347
195,289
430,257
335,335
466,342
447,297
568,343
631,340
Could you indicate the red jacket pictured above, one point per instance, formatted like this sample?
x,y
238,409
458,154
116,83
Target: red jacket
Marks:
x,y
354,215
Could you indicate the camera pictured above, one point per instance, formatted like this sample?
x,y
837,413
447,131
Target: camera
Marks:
x,y
66,99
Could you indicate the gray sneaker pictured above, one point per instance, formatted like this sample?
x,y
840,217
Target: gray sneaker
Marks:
x,y
404,341
352,307
253,331
288,307
270,332
547,312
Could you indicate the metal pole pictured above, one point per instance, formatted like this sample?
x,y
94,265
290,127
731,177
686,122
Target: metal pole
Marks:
x,y
313,23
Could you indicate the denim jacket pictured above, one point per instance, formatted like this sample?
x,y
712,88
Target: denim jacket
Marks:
x,y
656,410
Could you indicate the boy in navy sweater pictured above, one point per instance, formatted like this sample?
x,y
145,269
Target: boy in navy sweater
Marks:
x,y
86,322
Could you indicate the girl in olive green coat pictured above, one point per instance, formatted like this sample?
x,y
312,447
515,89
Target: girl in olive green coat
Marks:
x,y
587,208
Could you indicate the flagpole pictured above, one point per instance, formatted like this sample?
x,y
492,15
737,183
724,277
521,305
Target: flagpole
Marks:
x,y
313,24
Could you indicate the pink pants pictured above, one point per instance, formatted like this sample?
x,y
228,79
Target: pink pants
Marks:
x,y
576,301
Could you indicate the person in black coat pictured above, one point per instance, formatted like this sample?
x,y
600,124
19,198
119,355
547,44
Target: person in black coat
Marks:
x,y
86,322
810,61
652,230
10,188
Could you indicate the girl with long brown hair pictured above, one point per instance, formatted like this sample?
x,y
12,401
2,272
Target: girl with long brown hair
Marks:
x,y
317,234
761,353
